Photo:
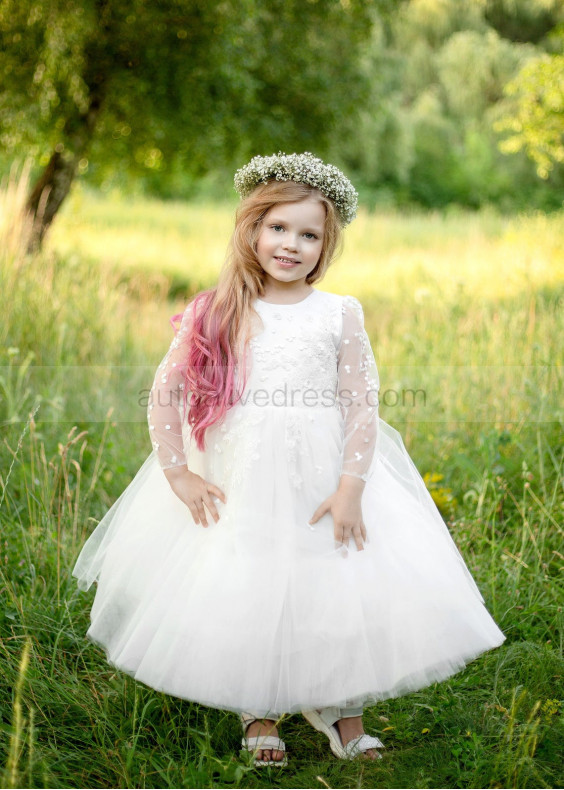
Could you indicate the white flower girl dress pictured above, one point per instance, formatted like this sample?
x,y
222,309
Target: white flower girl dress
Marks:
x,y
262,611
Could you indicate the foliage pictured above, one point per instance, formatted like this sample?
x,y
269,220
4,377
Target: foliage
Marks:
x,y
437,72
523,20
409,98
538,120
179,86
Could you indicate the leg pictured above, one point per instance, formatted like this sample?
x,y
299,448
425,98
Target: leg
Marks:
x,y
334,714
258,726
348,721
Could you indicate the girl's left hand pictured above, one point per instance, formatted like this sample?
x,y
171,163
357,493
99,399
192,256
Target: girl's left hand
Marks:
x,y
344,506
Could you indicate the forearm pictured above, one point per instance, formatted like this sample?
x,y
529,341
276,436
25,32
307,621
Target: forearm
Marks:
x,y
165,409
358,386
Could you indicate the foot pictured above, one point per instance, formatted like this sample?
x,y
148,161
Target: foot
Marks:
x,y
350,728
264,727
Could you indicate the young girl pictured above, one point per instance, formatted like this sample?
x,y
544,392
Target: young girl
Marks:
x,y
278,551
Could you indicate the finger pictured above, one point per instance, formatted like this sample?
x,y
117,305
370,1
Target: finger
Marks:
x,y
218,492
211,507
321,510
338,537
363,531
357,535
340,546
194,512
202,514
338,534
317,515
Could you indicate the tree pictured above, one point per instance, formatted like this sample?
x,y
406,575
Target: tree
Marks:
x,y
537,119
523,21
437,73
191,84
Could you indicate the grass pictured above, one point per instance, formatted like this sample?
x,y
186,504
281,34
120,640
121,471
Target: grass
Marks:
x,y
466,307
435,255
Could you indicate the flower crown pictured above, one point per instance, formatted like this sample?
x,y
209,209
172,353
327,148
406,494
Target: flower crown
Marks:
x,y
305,168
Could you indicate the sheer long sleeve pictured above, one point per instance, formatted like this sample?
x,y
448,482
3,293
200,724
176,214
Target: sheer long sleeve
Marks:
x,y
165,409
358,383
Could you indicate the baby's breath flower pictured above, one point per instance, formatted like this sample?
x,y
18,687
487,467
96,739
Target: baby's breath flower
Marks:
x,y
305,168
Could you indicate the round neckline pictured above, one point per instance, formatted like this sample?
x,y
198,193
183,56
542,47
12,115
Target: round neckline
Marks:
x,y
290,304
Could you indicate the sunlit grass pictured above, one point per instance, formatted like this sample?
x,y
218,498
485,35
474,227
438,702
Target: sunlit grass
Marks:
x,y
452,271
388,255
467,307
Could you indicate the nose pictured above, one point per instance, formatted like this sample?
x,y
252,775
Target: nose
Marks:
x,y
290,242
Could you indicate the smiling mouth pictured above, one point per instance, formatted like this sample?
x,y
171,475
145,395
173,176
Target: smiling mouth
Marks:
x,y
286,260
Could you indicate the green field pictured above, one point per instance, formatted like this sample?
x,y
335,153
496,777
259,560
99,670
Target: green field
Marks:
x,y
467,307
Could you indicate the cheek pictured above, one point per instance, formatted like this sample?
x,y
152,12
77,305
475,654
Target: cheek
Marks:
x,y
264,242
259,244
315,252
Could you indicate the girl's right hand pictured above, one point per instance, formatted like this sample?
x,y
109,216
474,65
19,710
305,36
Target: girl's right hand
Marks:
x,y
195,492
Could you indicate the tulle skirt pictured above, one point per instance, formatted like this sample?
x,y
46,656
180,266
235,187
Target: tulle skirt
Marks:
x,y
262,611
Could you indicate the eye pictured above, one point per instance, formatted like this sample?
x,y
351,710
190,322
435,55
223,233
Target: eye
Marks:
x,y
274,227
311,235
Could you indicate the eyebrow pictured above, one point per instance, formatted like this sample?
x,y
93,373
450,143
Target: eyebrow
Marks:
x,y
278,221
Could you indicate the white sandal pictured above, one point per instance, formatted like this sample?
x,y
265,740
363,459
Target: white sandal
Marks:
x,y
353,748
262,742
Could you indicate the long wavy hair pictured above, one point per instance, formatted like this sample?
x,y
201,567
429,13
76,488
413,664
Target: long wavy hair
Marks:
x,y
221,318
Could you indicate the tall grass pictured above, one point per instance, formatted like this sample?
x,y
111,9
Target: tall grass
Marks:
x,y
433,256
489,439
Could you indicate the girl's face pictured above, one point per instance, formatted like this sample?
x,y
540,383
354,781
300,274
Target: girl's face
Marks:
x,y
290,242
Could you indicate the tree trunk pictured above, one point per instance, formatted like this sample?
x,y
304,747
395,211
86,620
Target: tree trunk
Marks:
x,y
54,183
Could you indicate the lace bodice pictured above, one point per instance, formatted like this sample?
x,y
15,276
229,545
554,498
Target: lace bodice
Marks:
x,y
314,354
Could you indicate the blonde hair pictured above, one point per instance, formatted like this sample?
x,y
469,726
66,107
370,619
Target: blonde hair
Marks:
x,y
223,316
